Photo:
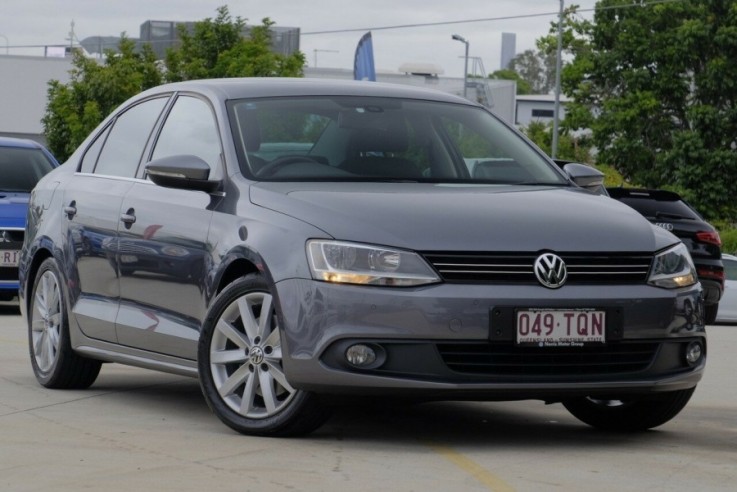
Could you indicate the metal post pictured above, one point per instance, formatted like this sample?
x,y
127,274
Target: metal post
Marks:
x,y
558,63
463,40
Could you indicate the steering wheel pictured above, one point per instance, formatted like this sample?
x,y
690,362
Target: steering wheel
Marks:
x,y
274,166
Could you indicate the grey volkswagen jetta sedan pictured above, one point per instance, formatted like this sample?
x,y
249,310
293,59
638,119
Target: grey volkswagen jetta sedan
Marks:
x,y
293,241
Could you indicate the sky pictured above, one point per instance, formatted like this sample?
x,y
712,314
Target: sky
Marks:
x,y
48,22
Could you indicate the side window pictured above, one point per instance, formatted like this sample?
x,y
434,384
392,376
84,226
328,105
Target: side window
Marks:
x,y
124,146
730,269
90,157
190,129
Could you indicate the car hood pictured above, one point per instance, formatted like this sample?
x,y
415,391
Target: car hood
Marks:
x,y
13,208
443,217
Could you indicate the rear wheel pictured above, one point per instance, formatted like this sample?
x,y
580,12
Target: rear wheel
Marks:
x,y
240,366
54,362
635,414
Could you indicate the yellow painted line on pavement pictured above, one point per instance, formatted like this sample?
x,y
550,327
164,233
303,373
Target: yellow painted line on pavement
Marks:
x,y
491,481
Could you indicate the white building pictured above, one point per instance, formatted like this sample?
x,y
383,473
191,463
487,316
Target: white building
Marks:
x,y
24,83
538,107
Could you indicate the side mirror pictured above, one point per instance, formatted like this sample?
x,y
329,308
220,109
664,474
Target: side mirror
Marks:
x,y
186,172
586,177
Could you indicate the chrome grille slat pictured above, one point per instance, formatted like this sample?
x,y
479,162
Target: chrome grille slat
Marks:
x,y
614,268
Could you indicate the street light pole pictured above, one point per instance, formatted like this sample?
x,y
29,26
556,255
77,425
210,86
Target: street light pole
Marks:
x,y
463,40
558,63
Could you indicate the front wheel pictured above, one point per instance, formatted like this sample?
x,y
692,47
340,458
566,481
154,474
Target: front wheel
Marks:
x,y
633,414
240,366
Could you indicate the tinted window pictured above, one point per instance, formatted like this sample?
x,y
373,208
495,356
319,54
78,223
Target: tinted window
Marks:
x,y
666,209
90,157
124,146
730,269
20,169
189,129
373,138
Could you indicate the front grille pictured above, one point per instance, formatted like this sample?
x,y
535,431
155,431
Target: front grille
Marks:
x,y
507,359
10,236
11,240
583,268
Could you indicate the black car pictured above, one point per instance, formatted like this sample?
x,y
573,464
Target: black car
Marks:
x,y
670,211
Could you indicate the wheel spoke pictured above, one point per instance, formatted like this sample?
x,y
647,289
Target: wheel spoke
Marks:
x,y
247,318
249,394
50,348
38,343
264,322
236,379
228,356
38,324
267,390
278,375
233,334
53,336
273,340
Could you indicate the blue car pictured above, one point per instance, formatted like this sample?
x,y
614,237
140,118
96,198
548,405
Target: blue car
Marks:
x,y
22,164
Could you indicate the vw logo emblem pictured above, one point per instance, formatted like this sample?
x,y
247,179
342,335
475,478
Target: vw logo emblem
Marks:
x,y
550,270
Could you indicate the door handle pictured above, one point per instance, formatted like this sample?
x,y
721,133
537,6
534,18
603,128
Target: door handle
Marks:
x,y
71,210
128,218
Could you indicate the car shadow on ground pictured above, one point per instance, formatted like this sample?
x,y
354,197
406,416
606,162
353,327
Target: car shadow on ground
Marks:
x,y
504,425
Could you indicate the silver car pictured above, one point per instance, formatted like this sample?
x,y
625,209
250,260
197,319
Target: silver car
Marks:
x,y
293,241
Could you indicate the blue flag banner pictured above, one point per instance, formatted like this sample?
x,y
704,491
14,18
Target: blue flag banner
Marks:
x,y
363,65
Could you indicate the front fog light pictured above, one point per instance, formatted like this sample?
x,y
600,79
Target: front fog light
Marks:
x,y
360,355
694,352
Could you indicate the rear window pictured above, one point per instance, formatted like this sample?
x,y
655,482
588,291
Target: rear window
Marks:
x,y
652,208
21,168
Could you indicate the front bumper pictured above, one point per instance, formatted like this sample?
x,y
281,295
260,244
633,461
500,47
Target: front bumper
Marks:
x,y
445,341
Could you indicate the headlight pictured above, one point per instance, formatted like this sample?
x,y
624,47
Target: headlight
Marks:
x,y
673,268
350,263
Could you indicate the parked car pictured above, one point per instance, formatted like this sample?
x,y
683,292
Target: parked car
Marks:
x,y
670,211
22,163
728,304
358,256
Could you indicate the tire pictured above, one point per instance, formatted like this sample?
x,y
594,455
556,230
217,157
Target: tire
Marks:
x,y
54,362
710,313
632,415
240,366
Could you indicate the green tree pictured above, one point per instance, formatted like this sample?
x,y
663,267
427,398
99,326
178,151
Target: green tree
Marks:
x,y
537,68
571,147
523,86
74,109
217,48
657,85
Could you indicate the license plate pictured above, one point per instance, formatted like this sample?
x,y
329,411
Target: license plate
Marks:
x,y
560,327
9,257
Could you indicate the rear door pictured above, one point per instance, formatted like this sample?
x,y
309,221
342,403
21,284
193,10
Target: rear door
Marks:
x,y
92,202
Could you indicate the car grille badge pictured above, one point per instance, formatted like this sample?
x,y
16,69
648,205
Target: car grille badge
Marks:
x,y
550,270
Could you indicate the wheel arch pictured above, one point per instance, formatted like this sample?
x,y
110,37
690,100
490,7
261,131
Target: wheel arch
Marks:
x,y
39,257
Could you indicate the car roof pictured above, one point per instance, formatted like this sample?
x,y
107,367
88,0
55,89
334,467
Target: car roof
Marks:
x,y
240,88
23,143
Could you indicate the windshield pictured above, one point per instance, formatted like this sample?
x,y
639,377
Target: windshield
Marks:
x,y
381,139
21,168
